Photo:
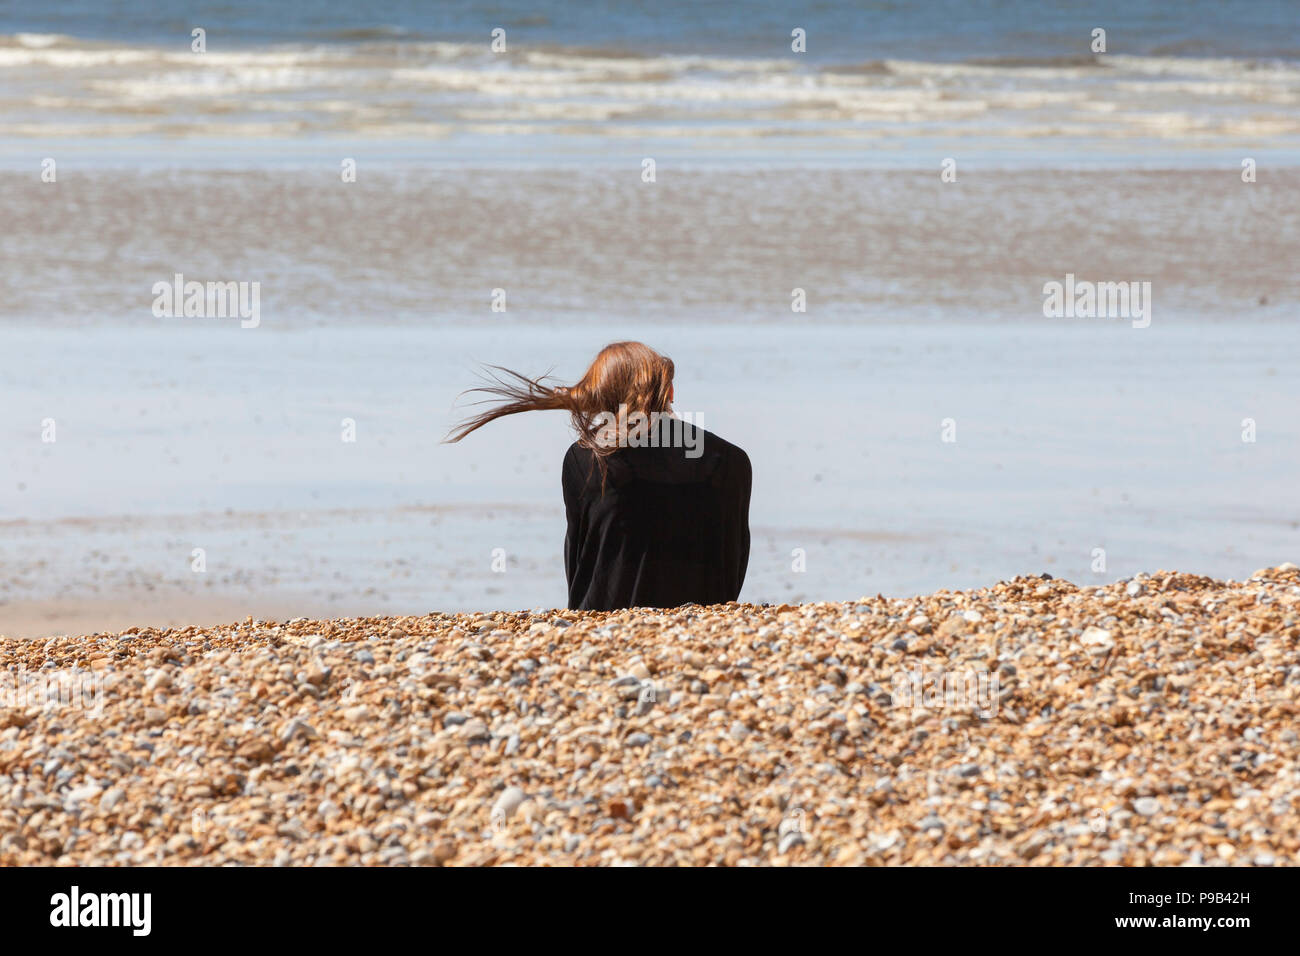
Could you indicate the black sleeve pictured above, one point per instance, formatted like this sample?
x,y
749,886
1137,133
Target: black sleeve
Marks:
x,y
744,479
572,513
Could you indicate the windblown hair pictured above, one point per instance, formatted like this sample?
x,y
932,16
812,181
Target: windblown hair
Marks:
x,y
624,374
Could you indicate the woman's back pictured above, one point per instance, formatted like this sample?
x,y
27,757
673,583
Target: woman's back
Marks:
x,y
658,508
663,526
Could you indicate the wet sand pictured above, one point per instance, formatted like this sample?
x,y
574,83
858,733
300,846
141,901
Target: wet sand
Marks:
x,y
703,244
1070,439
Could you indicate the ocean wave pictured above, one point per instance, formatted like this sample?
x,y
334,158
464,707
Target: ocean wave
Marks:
x,y
377,32
35,40
378,82
1039,62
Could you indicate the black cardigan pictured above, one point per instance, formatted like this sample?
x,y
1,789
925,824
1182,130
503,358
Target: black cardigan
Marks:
x,y
665,529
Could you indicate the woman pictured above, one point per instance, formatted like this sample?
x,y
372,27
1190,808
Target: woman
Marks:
x,y
658,508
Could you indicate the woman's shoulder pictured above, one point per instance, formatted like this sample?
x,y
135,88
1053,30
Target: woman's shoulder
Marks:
x,y
719,445
577,452
579,464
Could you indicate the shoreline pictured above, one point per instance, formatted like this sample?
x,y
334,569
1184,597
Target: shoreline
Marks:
x,y
1032,722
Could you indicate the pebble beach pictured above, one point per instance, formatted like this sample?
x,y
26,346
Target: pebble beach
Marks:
x,y
1151,721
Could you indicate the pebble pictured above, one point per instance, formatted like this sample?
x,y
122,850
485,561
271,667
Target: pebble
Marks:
x,y
1096,637
788,842
508,802
298,728
86,792
1146,806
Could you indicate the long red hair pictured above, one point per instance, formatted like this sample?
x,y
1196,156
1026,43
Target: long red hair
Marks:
x,y
626,375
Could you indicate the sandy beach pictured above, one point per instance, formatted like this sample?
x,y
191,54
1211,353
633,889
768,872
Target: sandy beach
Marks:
x,y
852,229
1147,721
